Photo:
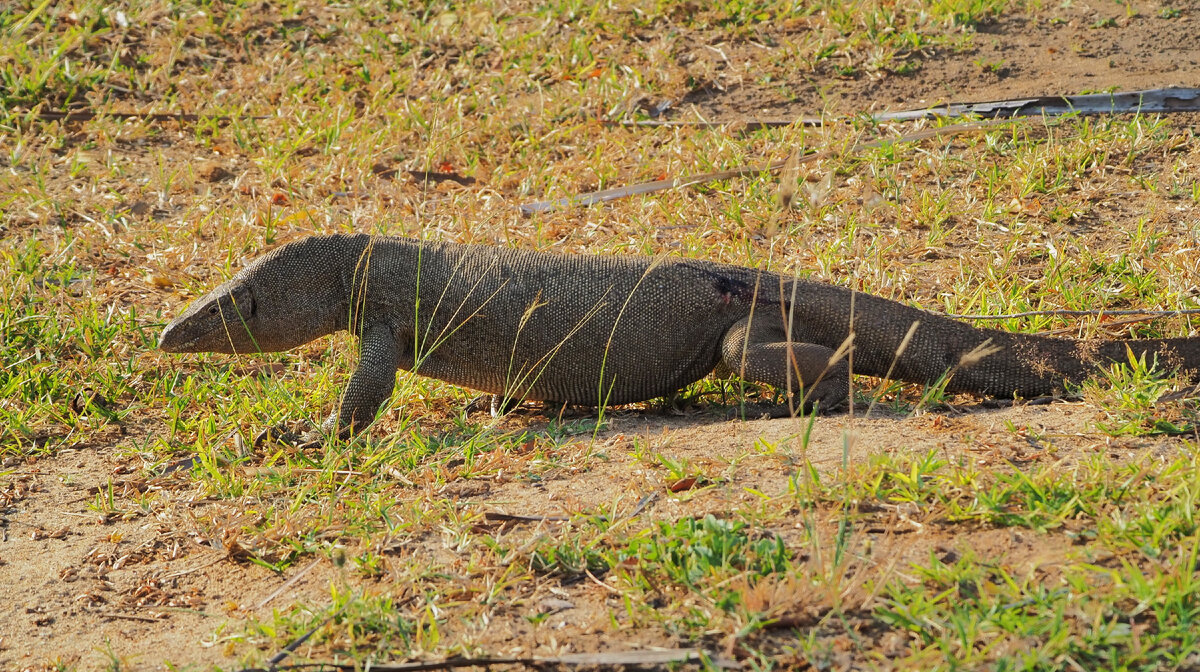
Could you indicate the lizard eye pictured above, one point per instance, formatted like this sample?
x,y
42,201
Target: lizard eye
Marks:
x,y
212,310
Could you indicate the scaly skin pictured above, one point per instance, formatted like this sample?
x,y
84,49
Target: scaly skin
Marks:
x,y
607,330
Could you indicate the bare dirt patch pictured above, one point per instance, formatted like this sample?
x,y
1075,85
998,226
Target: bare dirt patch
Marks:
x,y
1073,47
86,588
83,588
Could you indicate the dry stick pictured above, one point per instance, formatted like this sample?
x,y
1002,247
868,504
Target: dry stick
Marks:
x,y
739,124
175,575
600,583
604,659
642,504
615,193
149,116
1148,101
494,516
130,617
273,661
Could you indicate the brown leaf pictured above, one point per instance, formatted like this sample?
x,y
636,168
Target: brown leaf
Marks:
x,y
682,484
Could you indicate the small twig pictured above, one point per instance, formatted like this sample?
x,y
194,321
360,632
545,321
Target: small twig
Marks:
x,y
130,617
195,569
748,124
449,664
294,644
1150,101
178,610
600,583
642,504
493,516
286,584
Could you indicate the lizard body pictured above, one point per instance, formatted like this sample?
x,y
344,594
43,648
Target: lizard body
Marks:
x,y
606,330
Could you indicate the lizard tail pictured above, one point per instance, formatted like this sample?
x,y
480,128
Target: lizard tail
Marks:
x,y
901,342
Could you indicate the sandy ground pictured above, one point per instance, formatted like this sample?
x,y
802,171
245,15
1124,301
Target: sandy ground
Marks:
x,y
145,591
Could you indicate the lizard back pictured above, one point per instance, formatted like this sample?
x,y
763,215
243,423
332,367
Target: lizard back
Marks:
x,y
590,330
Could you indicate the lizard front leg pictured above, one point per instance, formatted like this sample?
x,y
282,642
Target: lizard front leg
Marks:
x,y
371,384
761,353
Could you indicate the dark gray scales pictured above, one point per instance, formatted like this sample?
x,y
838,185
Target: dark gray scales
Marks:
x,y
604,330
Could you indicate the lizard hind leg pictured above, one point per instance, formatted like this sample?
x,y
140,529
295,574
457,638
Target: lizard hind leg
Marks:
x,y
762,354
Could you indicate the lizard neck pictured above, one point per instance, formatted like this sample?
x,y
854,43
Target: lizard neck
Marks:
x,y
302,290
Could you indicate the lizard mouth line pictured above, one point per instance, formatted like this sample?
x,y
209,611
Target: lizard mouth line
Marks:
x,y
166,345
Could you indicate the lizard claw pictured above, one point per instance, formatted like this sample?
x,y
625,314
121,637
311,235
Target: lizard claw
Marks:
x,y
495,404
479,404
276,433
503,405
297,434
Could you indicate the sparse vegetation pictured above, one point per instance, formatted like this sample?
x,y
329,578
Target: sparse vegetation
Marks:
x,y
932,534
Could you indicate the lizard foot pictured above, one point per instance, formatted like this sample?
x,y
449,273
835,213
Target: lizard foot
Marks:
x,y
302,435
298,434
495,404
284,432
479,404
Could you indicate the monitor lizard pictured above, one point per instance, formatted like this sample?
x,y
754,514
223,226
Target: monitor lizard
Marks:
x,y
608,329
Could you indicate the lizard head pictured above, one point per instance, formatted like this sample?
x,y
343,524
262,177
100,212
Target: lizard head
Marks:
x,y
224,320
284,299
